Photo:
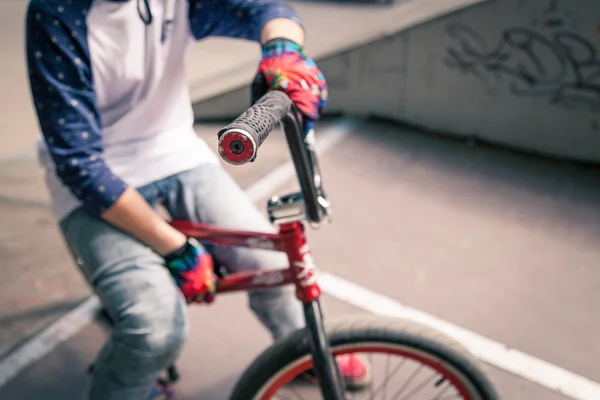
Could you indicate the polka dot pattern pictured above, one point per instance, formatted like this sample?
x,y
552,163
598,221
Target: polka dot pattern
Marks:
x,y
243,19
61,83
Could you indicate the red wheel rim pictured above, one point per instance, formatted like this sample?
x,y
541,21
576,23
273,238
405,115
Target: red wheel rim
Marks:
x,y
436,365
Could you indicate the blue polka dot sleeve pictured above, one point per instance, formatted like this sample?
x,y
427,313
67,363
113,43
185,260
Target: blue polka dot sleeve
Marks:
x,y
243,19
61,83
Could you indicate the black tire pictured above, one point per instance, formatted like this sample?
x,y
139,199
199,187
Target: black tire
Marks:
x,y
367,329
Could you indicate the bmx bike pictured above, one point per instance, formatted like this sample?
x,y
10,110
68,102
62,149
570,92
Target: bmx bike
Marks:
x,y
451,373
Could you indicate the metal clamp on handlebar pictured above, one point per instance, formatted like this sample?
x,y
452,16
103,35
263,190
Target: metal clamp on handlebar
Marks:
x,y
286,209
290,208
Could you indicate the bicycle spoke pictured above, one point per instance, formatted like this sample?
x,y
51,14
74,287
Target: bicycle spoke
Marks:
x,y
296,393
384,384
399,393
387,367
310,378
422,385
282,397
373,366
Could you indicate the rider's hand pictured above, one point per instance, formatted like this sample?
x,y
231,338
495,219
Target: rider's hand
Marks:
x,y
286,67
192,268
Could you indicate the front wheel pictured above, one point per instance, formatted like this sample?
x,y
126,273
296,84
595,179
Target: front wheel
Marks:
x,y
407,361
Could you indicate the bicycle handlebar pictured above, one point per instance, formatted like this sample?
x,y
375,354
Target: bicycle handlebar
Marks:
x,y
240,140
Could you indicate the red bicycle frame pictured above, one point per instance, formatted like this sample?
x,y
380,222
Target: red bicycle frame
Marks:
x,y
291,239
310,205
301,272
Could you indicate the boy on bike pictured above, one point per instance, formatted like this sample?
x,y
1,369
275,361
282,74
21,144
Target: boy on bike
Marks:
x,y
110,91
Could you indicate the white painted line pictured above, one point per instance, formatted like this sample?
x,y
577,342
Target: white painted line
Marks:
x,y
43,343
521,364
68,325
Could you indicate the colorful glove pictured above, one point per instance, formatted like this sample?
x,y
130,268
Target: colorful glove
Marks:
x,y
192,268
286,67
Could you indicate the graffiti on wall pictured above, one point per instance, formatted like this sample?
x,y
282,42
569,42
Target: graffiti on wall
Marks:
x,y
558,65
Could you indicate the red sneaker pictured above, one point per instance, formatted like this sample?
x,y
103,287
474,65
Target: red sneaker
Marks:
x,y
354,368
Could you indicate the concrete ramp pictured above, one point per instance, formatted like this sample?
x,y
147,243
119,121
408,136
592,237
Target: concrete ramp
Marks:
x,y
520,73
221,89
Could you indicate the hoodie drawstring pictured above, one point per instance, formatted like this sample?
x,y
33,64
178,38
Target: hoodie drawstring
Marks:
x,y
148,18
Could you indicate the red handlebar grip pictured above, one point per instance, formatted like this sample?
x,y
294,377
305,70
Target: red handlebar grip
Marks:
x,y
237,147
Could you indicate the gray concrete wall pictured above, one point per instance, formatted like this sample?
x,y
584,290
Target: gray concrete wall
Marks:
x,y
523,73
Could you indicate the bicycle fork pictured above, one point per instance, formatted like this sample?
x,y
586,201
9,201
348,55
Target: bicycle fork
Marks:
x,y
308,292
325,367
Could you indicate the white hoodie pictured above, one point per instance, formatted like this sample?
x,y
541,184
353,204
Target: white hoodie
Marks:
x,y
110,90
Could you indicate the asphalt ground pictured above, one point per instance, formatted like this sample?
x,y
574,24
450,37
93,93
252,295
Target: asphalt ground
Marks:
x,y
499,243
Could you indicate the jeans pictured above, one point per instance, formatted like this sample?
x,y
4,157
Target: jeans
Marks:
x,y
147,308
